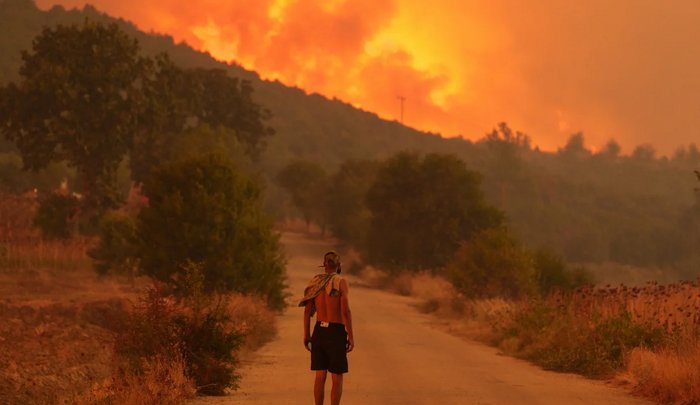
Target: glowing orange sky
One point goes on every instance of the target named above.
(624, 69)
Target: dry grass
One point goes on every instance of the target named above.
(56, 315)
(667, 375)
(57, 323)
(669, 315)
(163, 382)
(251, 316)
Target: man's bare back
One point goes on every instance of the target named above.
(329, 309)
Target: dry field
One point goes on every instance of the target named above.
(646, 338)
(58, 318)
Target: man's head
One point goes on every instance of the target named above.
(331, 262)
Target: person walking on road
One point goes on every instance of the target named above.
(327, 297)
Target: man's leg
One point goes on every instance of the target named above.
(337, 389)
(319, 386)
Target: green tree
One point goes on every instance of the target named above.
(552, 273)
(116, 250)
(305, 181)
(177, 100)
(346, 212)
(203, 210)
(493, 264)
(422, 209)
(77, 101)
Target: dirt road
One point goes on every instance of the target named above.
(399, 358)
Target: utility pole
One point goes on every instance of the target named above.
(402, 99)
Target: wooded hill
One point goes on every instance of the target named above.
(637, 209)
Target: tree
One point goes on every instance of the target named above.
(422, 209)
(506, 140)
(507, 170)
(575, 147)
(493, 264)
(346, 213)
(644, 152)
(203, 210)
(87, 97)
(78, 100)
(611, 149)
(179, 100)
(305, 182)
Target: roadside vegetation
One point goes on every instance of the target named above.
(144, 293)
(422, 227)
(644, 338)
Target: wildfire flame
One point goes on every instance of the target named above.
(457, 67)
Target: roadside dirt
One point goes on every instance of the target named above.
(400, 357)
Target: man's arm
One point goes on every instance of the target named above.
(345, 313)
(308, 312)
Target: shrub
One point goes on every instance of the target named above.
(552, 273)
(667, 375)
(196, 329)
(563, 338)
(205, 211)
(596, 349)
(55, 214)
(162, 381)
(491, 264)
(116, 250)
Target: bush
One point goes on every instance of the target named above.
(55, 215)
(203, 210)
(552, 273)
(116, 250)
(564, 339)
(596, 349)
(195, 329)
(492, 264)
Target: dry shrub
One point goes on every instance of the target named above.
(163, 381)
(195, 328)
(667, 375)
(251, 316)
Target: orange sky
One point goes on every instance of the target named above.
(623, 69)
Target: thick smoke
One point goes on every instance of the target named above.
(624, 69)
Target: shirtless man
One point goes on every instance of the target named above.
(327, 296)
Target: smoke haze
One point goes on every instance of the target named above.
(626, 69)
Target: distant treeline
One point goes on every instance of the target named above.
(590, 207)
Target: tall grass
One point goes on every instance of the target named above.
(647, 336)
(61, 325)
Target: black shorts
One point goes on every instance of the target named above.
(328, 348)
